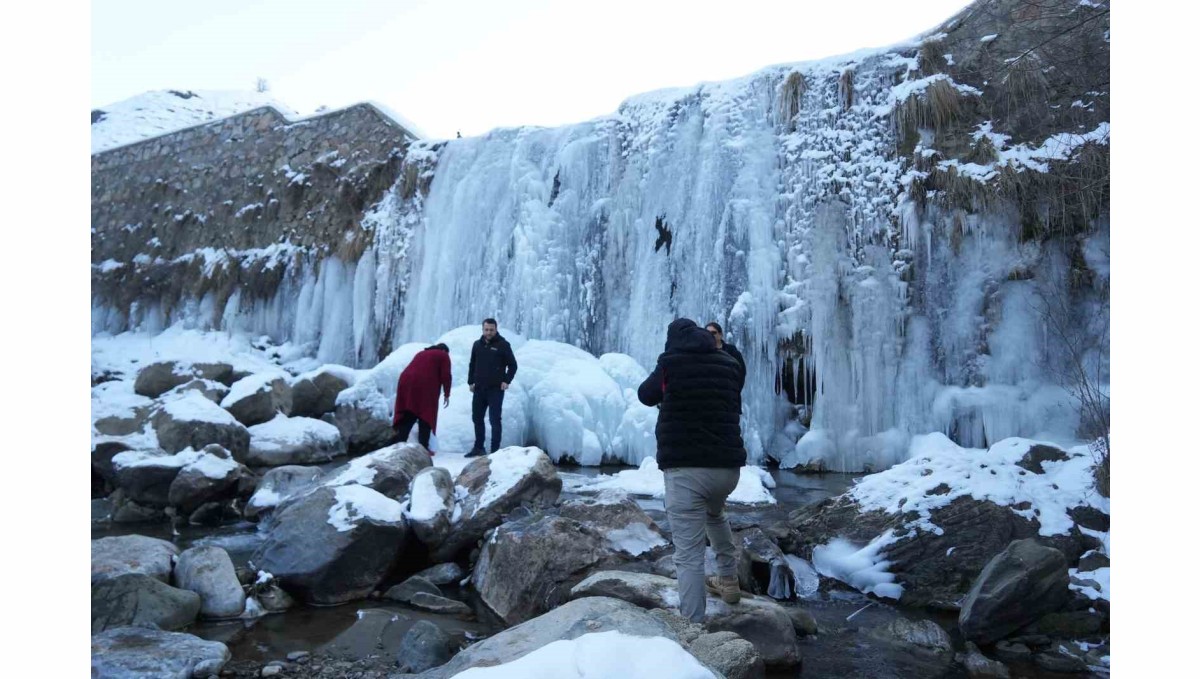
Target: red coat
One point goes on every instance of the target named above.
(417, 390)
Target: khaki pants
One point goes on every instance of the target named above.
(696, 509)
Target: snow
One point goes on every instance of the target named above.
(354, 503)
(291, 432)
(635, 539)
(151, 114)
(648, 480)
(116, 399)
(425, 502)
(805, 580)
(194, 407)
(860, 567)
(359, 471)
(507, 467)
(127, 352)
(597, 656)
(990, 474)
(1100, 576)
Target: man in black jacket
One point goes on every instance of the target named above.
(698, 389)
(718, 334)
(491, 370)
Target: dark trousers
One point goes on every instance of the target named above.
(490, 399)
(407, 420)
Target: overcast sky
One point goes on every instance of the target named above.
(470, 66)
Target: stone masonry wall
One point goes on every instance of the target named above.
(162, 207)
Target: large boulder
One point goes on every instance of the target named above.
(279, 484)
(625, 525)
(935, 534)
(760, 621)
(123, 554)
(212, 477)
(405, 591)
(152, 478)
(333, 545)
(431, 505)
(364, 416)
(293, 440)
(315, 393)
(729, 654)
(389, 470)
(192, 421)
(1021, 584)
(528, 566)
(102, 455)
(208, 571)
(257, 398)
(128, 652)
(124, 424)
(569, 621)
(495, 485)
(138, 599)
(156, 379)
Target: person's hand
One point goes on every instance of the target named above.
(446, 402)
(471, 387)
(504, 386)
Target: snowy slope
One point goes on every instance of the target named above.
(153, 113)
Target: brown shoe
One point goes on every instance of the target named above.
(725, 587)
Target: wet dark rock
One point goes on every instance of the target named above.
(1011, 651)
(205, 481)
(1092, 561)
(921, 636)
(423, 647)
(979, 666)
(1020, 585)
(802, 621)
(405, 591)
(102, 455)
(444, 573)
(138, 599)
(1078, 624)
(439, 604)
(1056, 661)
(729, 654)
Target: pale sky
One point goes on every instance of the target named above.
(474, 65)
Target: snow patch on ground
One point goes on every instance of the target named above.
(647, 480)
(599, 655)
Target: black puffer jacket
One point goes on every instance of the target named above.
(699, 388)
(491, 363)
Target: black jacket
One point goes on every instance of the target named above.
(491, 363)
(733, 351)
(698, 389)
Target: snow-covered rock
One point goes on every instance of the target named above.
(293, 441)
(491, 487)
(259, 398)
(192, 421)
(760, 621)
(623, 524)
(364, 416)
(924, 529)
(277, 485)
(569, 621)
(314, 393)
(334, 544)
(431, 505)
(389, 470)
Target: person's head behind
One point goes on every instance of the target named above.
(714, 329)
(684, 335)
(438, 347)
(490, 328)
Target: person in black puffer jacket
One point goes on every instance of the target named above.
(491, 370)
(698, 389)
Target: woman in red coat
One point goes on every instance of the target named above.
(417, 392)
